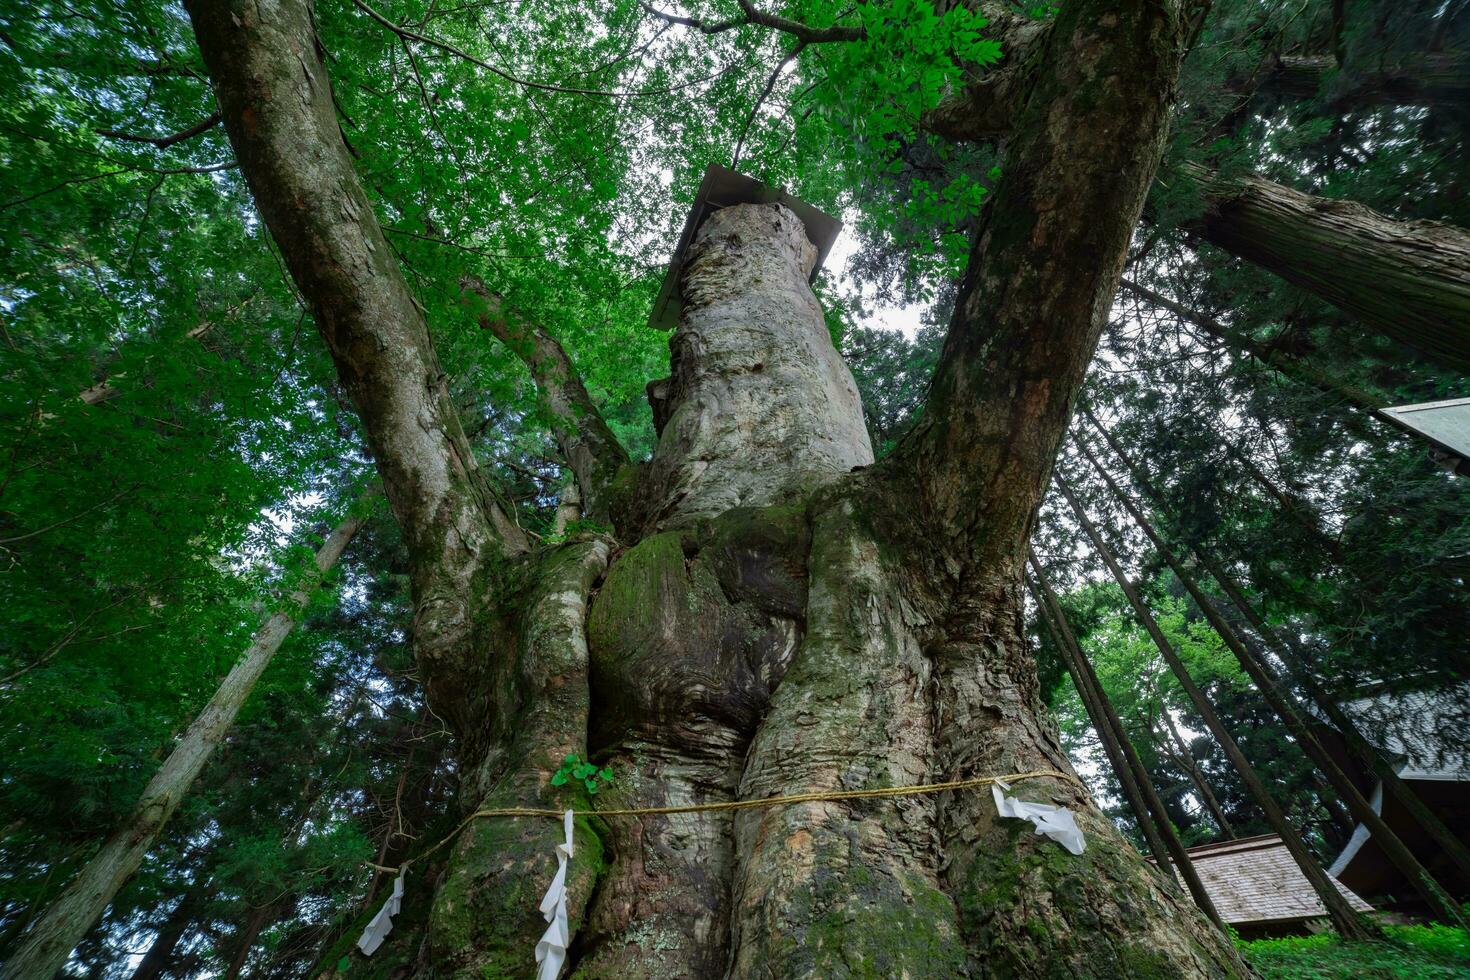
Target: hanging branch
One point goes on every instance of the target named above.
(790, 56)
(591, 448)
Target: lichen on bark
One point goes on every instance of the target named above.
(769, 621)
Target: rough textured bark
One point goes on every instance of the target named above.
(985, 106)
(1283, 704)
(771, 621)
(1047, 257)
(276, 98)
(760, 406)
(1345, 920)
(48, 944)
(1410, 280)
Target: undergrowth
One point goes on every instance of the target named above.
(1428, 952)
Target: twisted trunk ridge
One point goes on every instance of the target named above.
(777, 613)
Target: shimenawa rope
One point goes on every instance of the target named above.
(884, 792)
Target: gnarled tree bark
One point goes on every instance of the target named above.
(780, 616)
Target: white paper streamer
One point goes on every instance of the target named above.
(1055, 822)
(551, 951)
(377, 930)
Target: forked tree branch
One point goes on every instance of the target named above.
(164, 142)
(591, 449)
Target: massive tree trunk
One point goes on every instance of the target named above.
(776, 616)
(46, 947)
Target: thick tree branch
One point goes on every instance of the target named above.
(1410, 280)
(591, 449)
(983, 109)
(798, 30)
(704, 27)
(277, 105)
(1042, 275)
(164, 142)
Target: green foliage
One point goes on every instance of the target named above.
(173, 441)
(588, 774)
(1415, 951)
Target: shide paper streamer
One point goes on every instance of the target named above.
(382, 924)
(551, 951)
(1055, 822)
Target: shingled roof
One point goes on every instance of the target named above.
(1255, 881)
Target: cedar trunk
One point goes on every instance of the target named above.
(49, 943)
(772, 613)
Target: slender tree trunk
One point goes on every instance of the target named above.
(1348, 923)
(1105, 734)
(1294, 368)
(1142, 784)
(160, 956)
(1342, 821)
(1409, 280)
(1357, 743)
(1280, 701)
(46, 947)
(1190, 765)
(244, 939)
